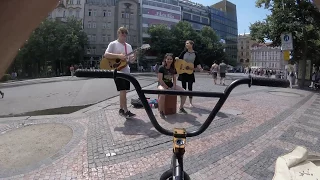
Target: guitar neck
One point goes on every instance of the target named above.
(132, 52)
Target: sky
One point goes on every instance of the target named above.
(247, 13)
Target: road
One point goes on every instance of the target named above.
(76, 94)
(33, 97)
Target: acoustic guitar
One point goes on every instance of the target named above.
(112, 64)
(183, 67)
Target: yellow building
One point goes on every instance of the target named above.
(244, 54)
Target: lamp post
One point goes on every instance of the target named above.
(305, 47)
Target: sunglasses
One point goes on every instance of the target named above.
(126, 33)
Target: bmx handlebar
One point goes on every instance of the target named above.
(259, 81)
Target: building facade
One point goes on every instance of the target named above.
(194, 13)
(102, 18)
(68, 8)
(267, 57)
(99, 25)
(244, 54)
(224, 22)
(166, 12)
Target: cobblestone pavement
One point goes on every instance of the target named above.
(244, 145)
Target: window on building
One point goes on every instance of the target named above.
(205, 20)
(103, 49)
(109, 25)
(127, 15)
(186, 16)
(94, 12)
(89, 24)
(122, 15)
(94, 25)
(89, 37)
(90, 12)
(104, 25)
(70, 1)
(109, 12)
(64, 13)
(241, 47)
(88, 50)
(94, 50)
(109, 38)
(196, 18)
(104, 13)
(78, 1)
(77, 13)
(134, 38)
(104, 38)
(93, 38)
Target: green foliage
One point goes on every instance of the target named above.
(287, 17)
(164, 40)
(302, 20)
(5, 78)
(53, 45)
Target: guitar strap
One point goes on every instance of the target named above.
(125, 48)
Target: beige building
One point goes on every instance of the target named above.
(267, 57)
(68, 8)
(98, 25)
(128, 14)
(244, 54)
(101, 22)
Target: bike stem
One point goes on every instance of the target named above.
(179, 141)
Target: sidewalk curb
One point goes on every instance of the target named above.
(54, 79)
(39, 81)
(108, 102)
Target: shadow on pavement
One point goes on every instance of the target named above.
(135, 126)
(53, 111)
(181, 118)
(202, 111)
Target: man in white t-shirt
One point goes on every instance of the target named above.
(117, 50)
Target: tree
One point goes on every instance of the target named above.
(302, 19)
(53, 46)
(164, 40)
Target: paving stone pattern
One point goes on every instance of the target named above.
(244, 146)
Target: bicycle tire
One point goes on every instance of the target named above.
(168, 175)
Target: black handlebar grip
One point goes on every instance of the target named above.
(259, 81)
(94, 73)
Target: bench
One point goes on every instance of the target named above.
(170, 104)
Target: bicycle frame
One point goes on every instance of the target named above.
(180, 134)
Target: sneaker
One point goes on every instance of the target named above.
(121, 112)
(162, 115)
(2, 94)
(129, 114)
(182, 110)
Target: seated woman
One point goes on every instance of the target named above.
(167, 80)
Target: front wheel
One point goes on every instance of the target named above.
(168, 175)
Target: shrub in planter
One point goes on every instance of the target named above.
(5, 78)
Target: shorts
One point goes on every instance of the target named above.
(223, 75)
(214, 75)
(122, 84)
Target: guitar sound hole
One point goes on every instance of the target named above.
(117, 64)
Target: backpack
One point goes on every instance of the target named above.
(136, 103)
